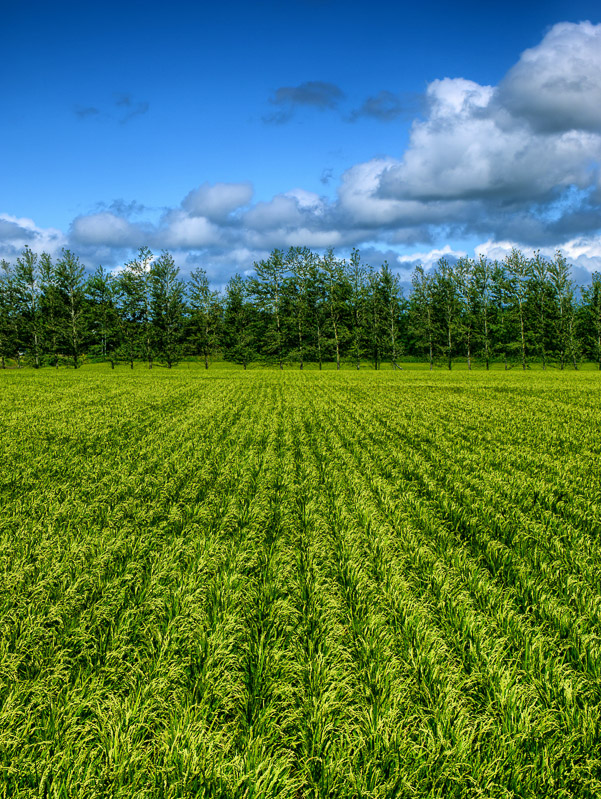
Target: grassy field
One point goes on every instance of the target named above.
(264, 584)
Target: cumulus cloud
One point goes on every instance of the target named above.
(556, 86)
(179, 230)
(107, 229)
(121, 207)
(217, 202)
(430, 257)
(294, 219)
(18, 232)
(584, 253)
(11, 230)
(280, 212)
(466, 149)
(480, 162)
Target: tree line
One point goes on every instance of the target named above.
(298, 307)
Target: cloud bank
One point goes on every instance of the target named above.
(517, 163)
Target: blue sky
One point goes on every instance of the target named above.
(222, 131)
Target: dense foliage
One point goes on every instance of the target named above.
(300, 584)
(299, 307)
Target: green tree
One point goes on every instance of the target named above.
(376, 332)
(239, 324)
(317, 311)
(447, 302)
(540, 296)
(135, 291)
(517, 275)
(51, 305)
(467, 299)
(335, 299)
(205, 314)
(133, 308)
(590, 314)
(166, 308)
(486, 277)
(103, 319)
(391, 295)
(69, 284)
(28, 289)
(9, 333)
(356, 278)
(421, 311)
(299, 261)
(267, 288)
(564, 316)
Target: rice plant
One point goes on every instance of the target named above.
(300, 584)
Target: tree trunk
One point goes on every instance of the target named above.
(74, 333)
(523, 337)
(486, 349)
(337, 347)
(279, 332)
(319, 345)
(393, 338)
(36, 347)
(300, 343)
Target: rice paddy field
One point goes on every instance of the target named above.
(300, 584)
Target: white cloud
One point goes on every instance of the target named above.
(280, 212)
(318, 239)
(17, 232)
(181, 231)
(217, 202)
(469, 148)
(307, 200)
(583, 252)
(494, 250)
(359, 196)
(107, 229)
(556, 86)
(430, 257)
